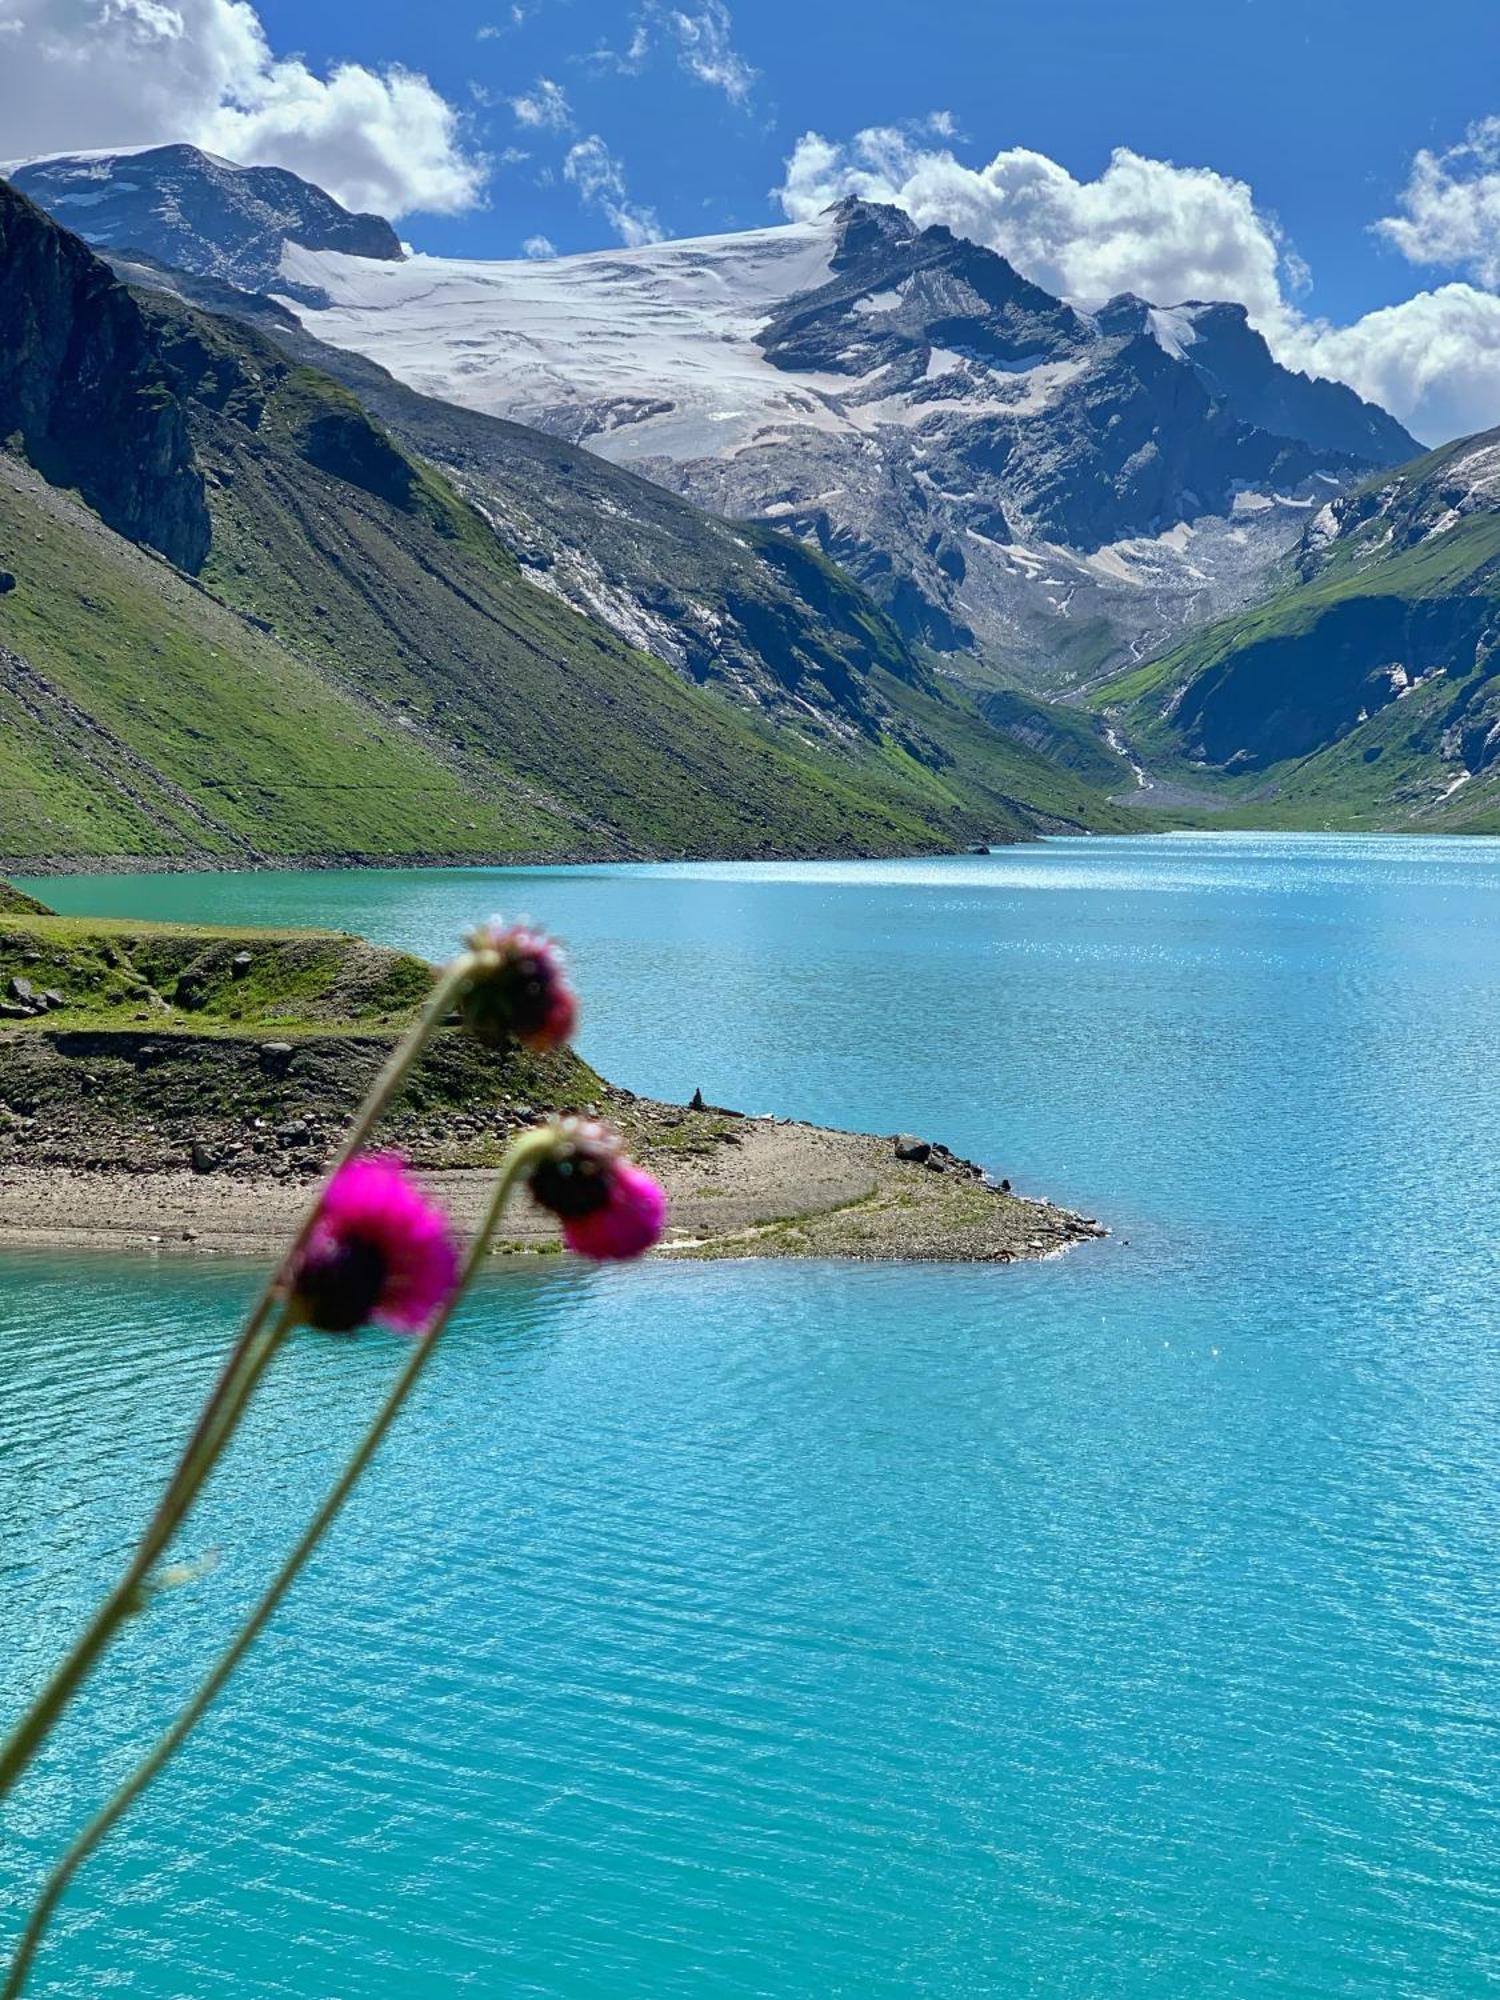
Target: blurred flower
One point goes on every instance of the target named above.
(378, 1250)
(608, 1208)
(520, 992)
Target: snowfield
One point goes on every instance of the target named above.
(673, 324)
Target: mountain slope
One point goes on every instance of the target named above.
(1038, 492)
(361, 668)
(1367, 690)
(752, 613)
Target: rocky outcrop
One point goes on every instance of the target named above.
(83, 388)
(201, 213)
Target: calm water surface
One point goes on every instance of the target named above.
(1126, 1626)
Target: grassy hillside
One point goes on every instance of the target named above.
(154, 1046)
(1366, 691)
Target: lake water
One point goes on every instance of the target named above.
(1122, 1626)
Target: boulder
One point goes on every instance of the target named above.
(909, 1147)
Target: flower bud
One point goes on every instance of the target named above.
(379, 1250)
(609, 1210)
(520, 991)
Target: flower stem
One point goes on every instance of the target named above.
(221, 1413)
(524, 1152)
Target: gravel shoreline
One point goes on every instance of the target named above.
(771, 1189)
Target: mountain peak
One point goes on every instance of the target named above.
(198, 212)
(863, 228)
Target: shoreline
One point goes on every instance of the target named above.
(61, 867)
(770, 1188)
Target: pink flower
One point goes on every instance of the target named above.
(521, 993)
(609, 1209)
(378, 1250)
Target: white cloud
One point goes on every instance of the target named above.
(705, 48)
(1167, 232)
(1452, 207)
(91, 73)
(1171, 233)
(1433, 360)
(539, 248)
(702, 38)
(544, 107)
(600, 180)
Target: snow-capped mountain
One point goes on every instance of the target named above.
(1042, 493)
(1055, 492)
(191, 209)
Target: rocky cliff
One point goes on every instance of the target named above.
(83, 388)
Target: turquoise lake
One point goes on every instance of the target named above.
(1125, 1627)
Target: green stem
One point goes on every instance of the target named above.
(220, 1415)
(516, 1166)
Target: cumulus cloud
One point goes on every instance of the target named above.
(1171, 233)
(1451, 207)
(544, 107)
(539, 248)
(1432, 360)
(90, 73)
(600, 180)
(1167, 232)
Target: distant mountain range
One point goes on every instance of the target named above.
(240, 620)
(206, 215)
(1039, 494)
(1276, 607)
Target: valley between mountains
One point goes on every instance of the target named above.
(836, 538)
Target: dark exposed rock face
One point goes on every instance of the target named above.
(1001, 441)
(82, 387)
(202, 214)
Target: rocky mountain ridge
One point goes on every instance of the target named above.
(1041, 494)
(190, 208)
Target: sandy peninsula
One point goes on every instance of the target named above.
(738, 1187)
(179, 1086)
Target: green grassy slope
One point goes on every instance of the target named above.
(160, 1046)
(1366, 691)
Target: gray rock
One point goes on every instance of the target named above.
(53, 999)
(22, 989)
(240, 964)
(909, 1147)
(204, 1157)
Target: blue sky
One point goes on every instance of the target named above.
(1320, 105)
(1334, 165)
